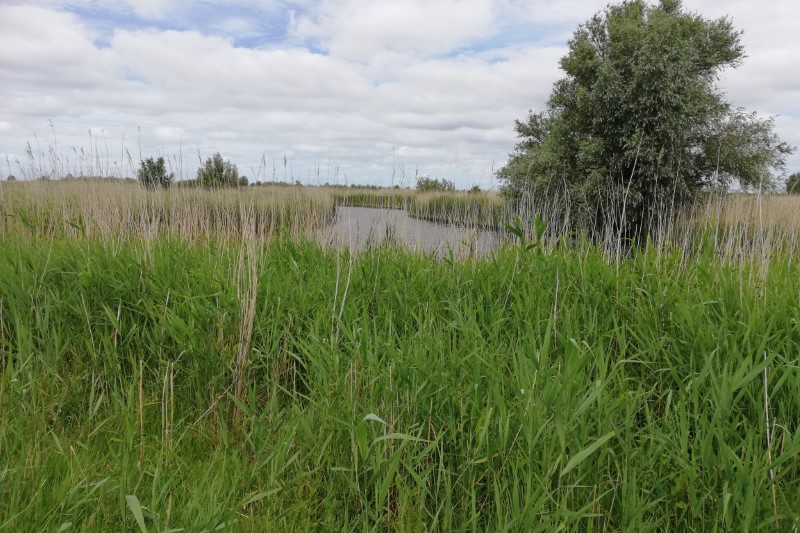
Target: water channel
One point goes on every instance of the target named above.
(362, 227)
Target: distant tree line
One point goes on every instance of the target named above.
(217, 173)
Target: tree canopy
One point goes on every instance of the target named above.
(427, 184)
(638, 125)
(217, 172)
(153, 174)
(793, 184)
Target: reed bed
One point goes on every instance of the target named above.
(478, 210)
(482, 210)
(781, 211)
(150, 381)
(114, 211)
(381, 198)
(736, 229)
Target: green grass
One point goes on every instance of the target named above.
(391, 391)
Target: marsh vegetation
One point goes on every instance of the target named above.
(199, 359)
(610, 345)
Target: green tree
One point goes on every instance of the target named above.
(637, 127)
(217, 173)
(793, 183)
(425, 184)
(153, 174)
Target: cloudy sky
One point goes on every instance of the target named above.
(347, 91)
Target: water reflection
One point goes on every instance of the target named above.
(361, 227)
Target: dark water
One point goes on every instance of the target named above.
(361, 227)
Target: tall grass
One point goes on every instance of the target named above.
(478, 210)
(154, 378)
(751, 225)
(381, 198)
(484, 210)
(119, 210)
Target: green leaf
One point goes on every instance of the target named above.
(111, 317)
(26, 221)
(516, 229)
(362, 441)
(375, 418)
(398, 436)
(136, 509)
(579, 457)
(260, 496)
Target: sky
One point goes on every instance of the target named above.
(337, 91)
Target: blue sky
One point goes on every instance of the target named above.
(367, 91)
(249, 26)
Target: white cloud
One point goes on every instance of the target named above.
(169, 133)
(46, 47)
(206, 72)
(358, 29)
(371, 88)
